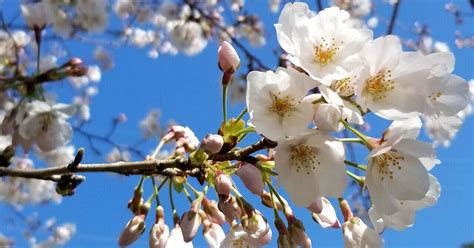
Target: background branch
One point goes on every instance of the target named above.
(393, 19)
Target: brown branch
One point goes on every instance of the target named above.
(169, 167)
(393, 19)
(319, 4)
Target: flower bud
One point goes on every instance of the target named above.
(213, 213)
(190, 222)
(228, 58)
(327, 217)
(133, 230)
(159, 235)
(327, 116)
(212, 143)
(298, 234)
(223, 185)
(230, 208)
(285, 241)
(251, 177)
(316, 206)
(176, 239)
(357, 234)
(213, 234)
(267, 201)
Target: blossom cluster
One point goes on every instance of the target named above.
(338, 75)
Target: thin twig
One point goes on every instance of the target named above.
(393, 19)
(319, 4)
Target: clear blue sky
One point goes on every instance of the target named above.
(187, 90)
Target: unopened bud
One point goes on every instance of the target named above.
(212, 143)
(346, 210)
(251, 177)
(229, 60)
(298, 234)
(212, 212)
(327, 217)
(6, 155)
(190, 222)
(159, 235)
(223, 184)
(213, 234)
(132, 231)
(316, 206)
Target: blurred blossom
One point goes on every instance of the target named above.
(116, 155)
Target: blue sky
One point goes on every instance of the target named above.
(187, 90)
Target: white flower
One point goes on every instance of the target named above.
(36, 14)
(237, 237)
(398, 167)
(446, 95)
(310, 166)
(176, 239)
(60, 156)
(116, 155)
(386, 83)
(47, 124)
(442, 129)
(91, 15)
(405, 216)
(323, 45)
(188, 37)
(358, 235)
(275, 105)
(214, 235)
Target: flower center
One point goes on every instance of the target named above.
(281, 105)
(344, 87)
(387, 162)
(435, 95)
(325, 51)
(380, 84)
(304, 158)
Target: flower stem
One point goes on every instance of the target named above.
(156, 191)
(356, 165)
(173, 208)
(157, 149)
(351, 140)
(359, 180)
(188, 196)
(241, 115)
(357, 133)
(224, 102)
(273, 190)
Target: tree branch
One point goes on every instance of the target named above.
(319, 4)
(393, 19)
(169, 167)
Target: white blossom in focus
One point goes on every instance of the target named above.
(275, 102)
(311, 166)
(324, 45)
(405, 216)
(398, 167)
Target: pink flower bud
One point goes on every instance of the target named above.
(229, 208)
(133, 230)
(213, 234)
(190, 222)
(297, 232)
(212, 212)
(229, 60)
(159, 235)
(212, 143)
(223, 184)
(251, 177)
(316, 206)
(327, 217)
